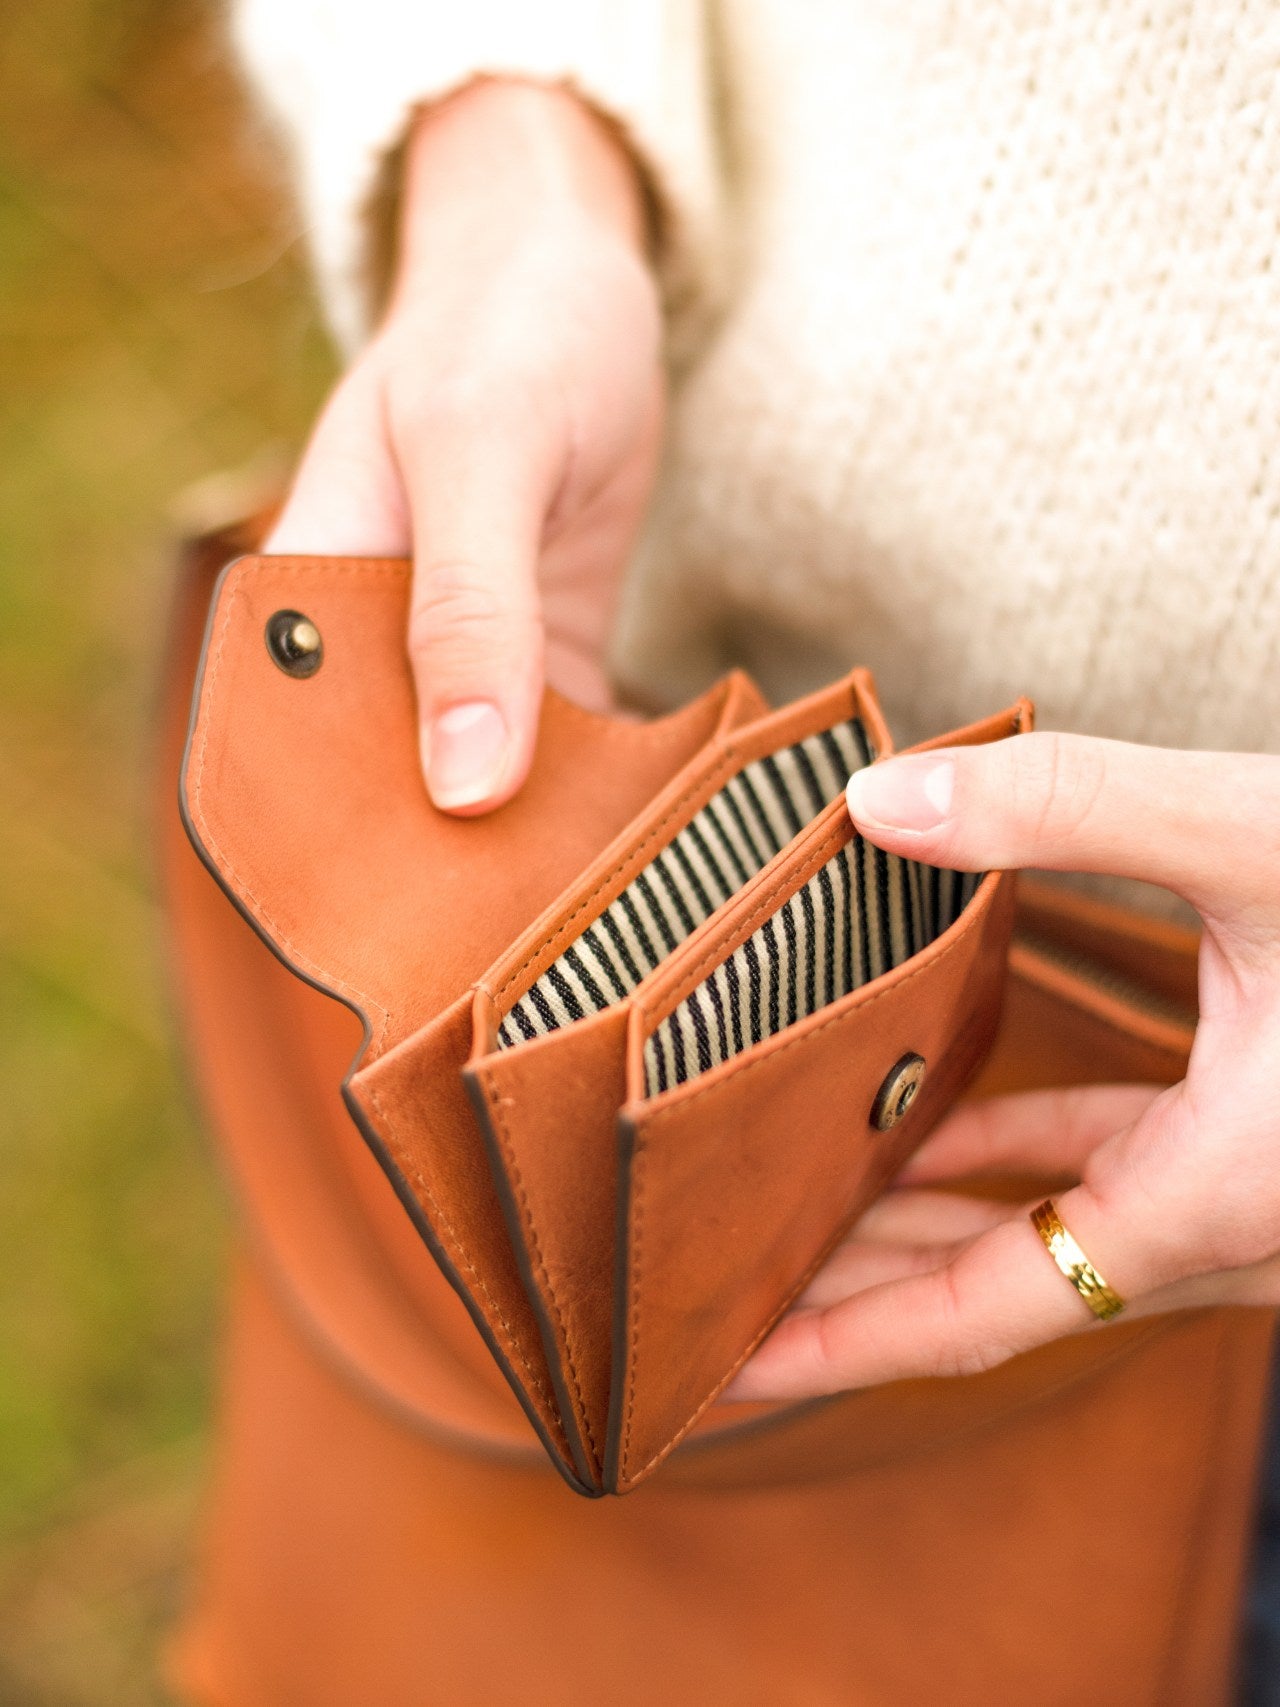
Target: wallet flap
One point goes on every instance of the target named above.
(268, 1054)
(304, 794)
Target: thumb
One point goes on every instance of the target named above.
(1075, 803)
(479, 487)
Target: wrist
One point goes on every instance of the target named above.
(512, 159)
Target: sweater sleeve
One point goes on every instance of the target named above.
(342, 78)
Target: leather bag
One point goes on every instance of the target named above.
(1073, 1522)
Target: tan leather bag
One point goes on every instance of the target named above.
(631, 1054)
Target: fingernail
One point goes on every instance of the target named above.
(903, 794)
(465, 753)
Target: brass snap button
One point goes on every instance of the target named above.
(294, 643)
(899, 1090)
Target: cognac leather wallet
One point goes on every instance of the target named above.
(639, 1046)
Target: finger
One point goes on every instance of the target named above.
(860, 1264)
(1256, 1284)
(1068, 802)
(904, 1232)
(905, 1216)
(861, 1267)
(347, 498)
(1049, 1131)
(481, 478)
(999, 1295)
(855, 1267)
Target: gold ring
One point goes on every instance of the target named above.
(1101, 1299)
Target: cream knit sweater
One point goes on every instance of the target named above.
(978, 315)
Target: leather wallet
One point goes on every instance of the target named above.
(639, 1046)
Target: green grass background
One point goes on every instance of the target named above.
(155, 327)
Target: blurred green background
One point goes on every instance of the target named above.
(155, 327)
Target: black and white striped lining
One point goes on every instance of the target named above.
(862, 913)
(725, 844)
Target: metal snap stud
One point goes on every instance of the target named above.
(899, 1090)
(294, 643)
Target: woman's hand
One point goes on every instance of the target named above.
(503, 425)
(1179, 1196)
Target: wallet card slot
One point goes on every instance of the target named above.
(860, 915)
(729, 840)
(832, 914)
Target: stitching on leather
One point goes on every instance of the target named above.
(247, 894)
(730, 761)
(969, 921)
(761, 1334)
(389, 1132)
(738, 1362)
(727, 755)
(830, 843)
(389, 1135)
(636, 1248)
(495, 1103)
(640, 1174)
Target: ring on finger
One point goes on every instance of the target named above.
(1103, 1300)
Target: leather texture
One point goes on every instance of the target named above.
(622, 1252)
(383, 1523)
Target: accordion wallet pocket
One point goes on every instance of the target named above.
(555, 1028)
(779, 1072)
(547, 1074)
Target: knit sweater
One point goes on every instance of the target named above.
(978, 318)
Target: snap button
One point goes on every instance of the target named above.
(898, 1092)
(294, 643)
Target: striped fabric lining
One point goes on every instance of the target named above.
(727, 842)
(859, 915)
